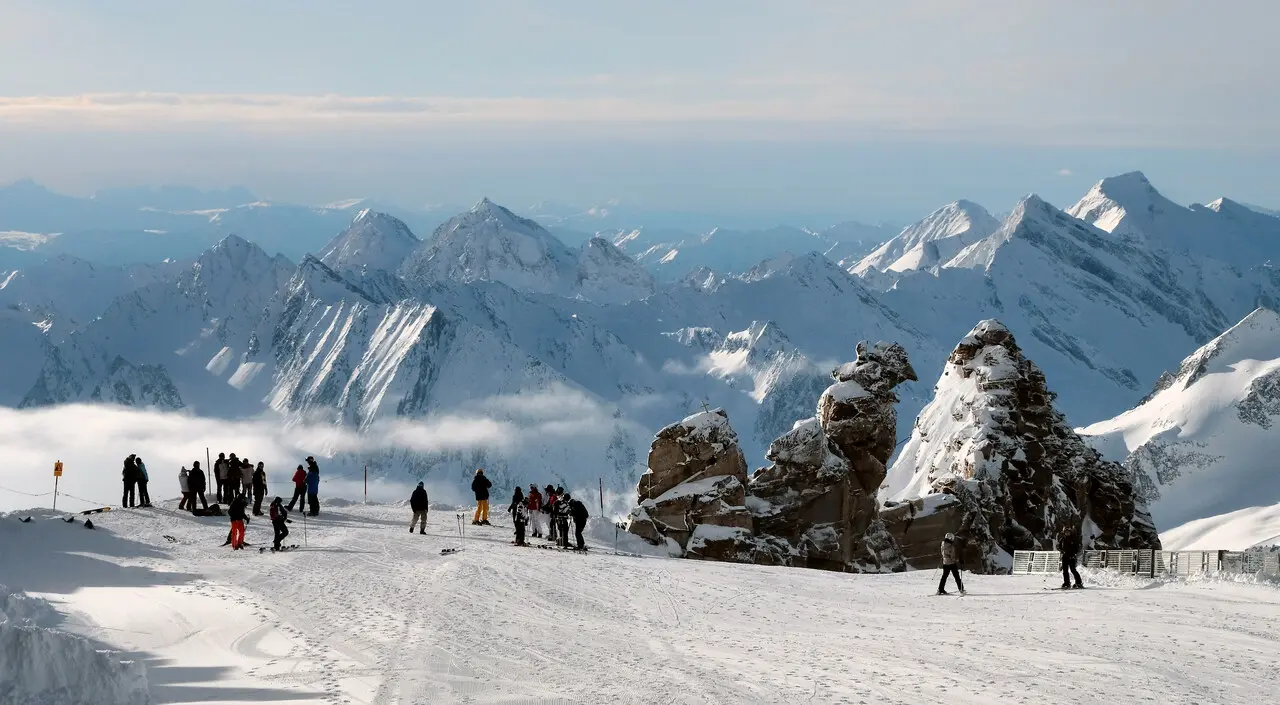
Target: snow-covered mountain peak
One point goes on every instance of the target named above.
(490, 243)
(1255, 338)
(1123, 205)
(803, 267)
(606, 274)
(373, 241)
(931, 241)
(760, 337)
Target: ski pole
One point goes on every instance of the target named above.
(304, 528)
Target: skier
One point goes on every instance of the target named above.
(299, 489)
(238, 520)
(279, 517)
(313, 487)
(533, 501)
(144, 498)
(578, 512)
(480, 485)
(950, 566)
(519, 514)
(130, 478)
(259, 488)
(184, 486)
(560, 515)
(1069, 546)
(419, 503)
(548, 506)
(219, 473)
(246, 478)
(196, 481)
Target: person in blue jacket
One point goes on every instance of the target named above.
(144, 497)
(313, 487)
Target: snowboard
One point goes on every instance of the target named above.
(96, 511)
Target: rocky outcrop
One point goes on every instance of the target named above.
(814, 507)
(993, 461)
(693, 498)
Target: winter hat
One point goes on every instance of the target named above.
(419, 484)
(277, 500)
(479, 471)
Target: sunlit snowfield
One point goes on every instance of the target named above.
(369, 613)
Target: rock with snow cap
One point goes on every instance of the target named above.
(1015, 474)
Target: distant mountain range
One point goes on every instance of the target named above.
(388, 321)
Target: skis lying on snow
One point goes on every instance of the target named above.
(553, 547)
(96, 511)
(447, 551)
(168, 538)
(273, 549)
(1059, 589)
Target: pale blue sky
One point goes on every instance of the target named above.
(714, 104)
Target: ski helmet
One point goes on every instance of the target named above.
(949, 537)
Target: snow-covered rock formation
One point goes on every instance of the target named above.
(1202, 442)
(693, 497)
(992, 461)
(932, 241)
(372, 241)
(815, 507)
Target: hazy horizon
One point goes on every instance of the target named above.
(874, 112)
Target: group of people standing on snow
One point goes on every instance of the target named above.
(1070, 546)
(135, 479)
(532, 511)
(238, 482)
(555, 510)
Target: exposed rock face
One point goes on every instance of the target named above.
(1014, 474)
(693, 498)
(814, 507)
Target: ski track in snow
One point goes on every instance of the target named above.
(369, 613)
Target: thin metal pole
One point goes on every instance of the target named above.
(55, 492)
(601, 496)
(366, 483)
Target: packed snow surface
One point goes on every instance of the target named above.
(368, 613)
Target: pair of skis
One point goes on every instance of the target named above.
(462, 538)
(282, 549)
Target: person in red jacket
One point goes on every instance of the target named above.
(533, 502)
(299, 488)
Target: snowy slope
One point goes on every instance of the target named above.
(608, 275)
(1238, 530)
(189, 327)
(372, 241)
(1203, 443)
(366, 613)
(932, 241)
(66, 292)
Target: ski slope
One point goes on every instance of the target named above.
(369, 613)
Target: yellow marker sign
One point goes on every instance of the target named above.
(57, 469)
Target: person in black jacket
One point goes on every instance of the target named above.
(279, 517)
(578, 512)
(259, 488)
(1069, 547)
(560, 515)
(130, 478)
(480, 486)
(419, 503)
(197, 483)
(519, 514)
